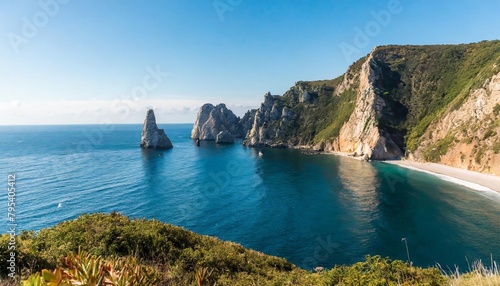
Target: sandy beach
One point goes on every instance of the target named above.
(483, 180)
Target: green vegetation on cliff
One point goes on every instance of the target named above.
(339, 111)
(97, 247)
(429, 81)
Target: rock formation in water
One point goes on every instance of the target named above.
(153, 137)
(219, 124)
(426, 103)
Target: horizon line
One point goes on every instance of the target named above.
(79, 124)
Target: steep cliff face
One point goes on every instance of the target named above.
(212, 120)
(361, 135)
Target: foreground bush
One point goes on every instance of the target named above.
(111, 249)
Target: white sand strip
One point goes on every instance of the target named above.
(470, 179)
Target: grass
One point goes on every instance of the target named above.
(478, 275)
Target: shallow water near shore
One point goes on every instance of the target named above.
(314, 210)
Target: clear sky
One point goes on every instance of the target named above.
(89, 61)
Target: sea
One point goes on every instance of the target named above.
(312, 209)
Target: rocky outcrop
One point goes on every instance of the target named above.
(270, 124)
(211, 120)
(153, 137)
(348, 80)
(218, 123)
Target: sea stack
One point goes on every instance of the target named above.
(217, 123)
(152, 136)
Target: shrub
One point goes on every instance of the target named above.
(383, 271)
(434, 152)
(489, 133)
(496, 147)
(496, 109)
(190, 259)
(86, 269)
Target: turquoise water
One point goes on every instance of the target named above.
(315, 210)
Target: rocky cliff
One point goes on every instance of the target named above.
(270, 123)
(427, 103)
(361, 135)
(153, 137)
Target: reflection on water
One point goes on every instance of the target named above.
(361, 179)
(152, 161)
(360, 197)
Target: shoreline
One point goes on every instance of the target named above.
(471, 179)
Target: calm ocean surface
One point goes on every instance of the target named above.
(315, 210)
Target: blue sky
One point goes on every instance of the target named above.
(79, 62)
